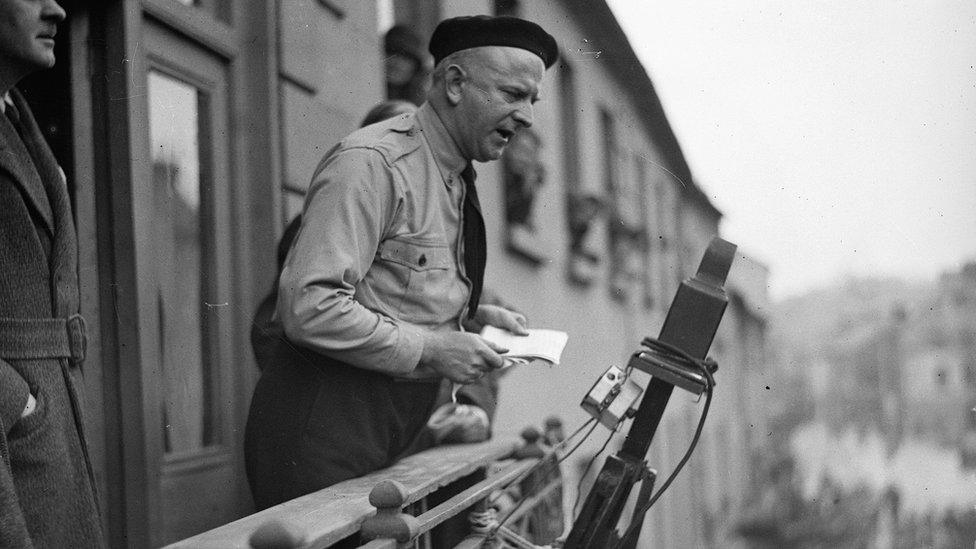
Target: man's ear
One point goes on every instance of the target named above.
(454, 80)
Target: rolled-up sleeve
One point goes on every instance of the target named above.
(350, 204)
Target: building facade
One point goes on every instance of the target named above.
(189, 130)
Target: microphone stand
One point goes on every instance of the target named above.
(690, 326)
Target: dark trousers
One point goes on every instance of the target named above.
(314, 422)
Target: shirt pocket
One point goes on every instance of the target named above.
(419, 280)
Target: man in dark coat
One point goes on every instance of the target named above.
(47, 494)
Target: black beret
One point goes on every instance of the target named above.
(461, 33)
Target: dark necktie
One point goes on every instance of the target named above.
(475, 251)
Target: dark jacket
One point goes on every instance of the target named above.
(315, 421)
(46, 487)
(270, 345)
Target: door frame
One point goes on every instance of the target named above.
(110, 117)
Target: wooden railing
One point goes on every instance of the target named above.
(382, 505)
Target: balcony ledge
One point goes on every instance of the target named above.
(322, 518)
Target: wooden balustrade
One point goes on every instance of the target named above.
(332, 514)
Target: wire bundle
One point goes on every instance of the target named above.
(707, 367)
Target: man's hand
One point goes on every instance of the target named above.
(500, 317)
(29, 408)
(459, 423)
(461, 357)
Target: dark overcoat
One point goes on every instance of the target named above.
(46, 484)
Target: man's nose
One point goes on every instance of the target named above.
(53, 10)
(523, 115)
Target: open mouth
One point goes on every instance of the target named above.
(506, 134)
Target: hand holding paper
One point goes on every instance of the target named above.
(539, 344)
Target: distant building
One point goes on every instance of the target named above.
(913, 373)
(938, 376)
(219, 111)
(883, 375)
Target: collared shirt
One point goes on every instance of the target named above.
(378, 258)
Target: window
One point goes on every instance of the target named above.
(183, 248)
(582, 208)
(669, 273)
(623, 215)
(645, 194)
(569, 115)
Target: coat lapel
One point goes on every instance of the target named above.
(15, 160)
(64, 252)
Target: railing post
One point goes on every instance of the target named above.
(277, 534)
(531, 448)
(390, 522)
(543, 523)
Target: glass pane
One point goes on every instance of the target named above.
(179, 228)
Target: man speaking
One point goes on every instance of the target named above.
(388, 263)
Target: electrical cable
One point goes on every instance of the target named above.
(638, 517)
(579, 485)
(552, 467)
(707, 366)
(552, 451)
(674, 354)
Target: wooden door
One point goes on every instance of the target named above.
(187, 252)
(138, 110)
